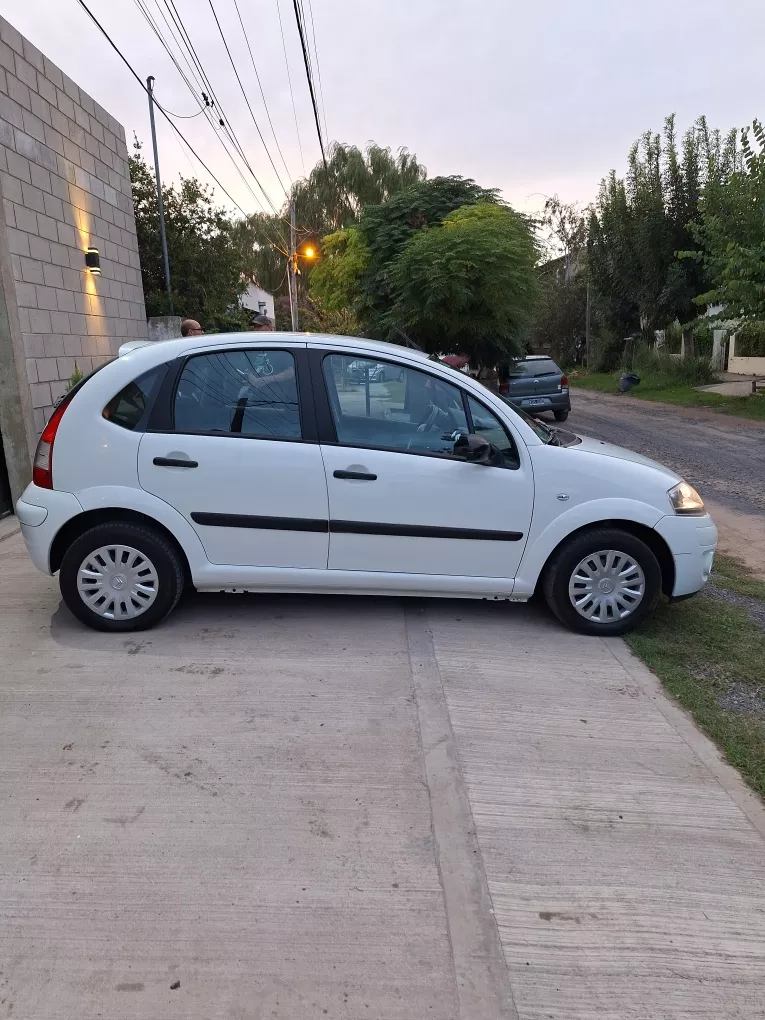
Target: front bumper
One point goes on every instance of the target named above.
(541, 402)
(692, 542)
(42, 513)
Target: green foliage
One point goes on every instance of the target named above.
(559, 321)
(317, 318)
(750, 340)
(388, 227)
(334, 281)
(607, 351)
(76, 377)
(357, 179)
(468, 285)
(659, 370)
(211, 255)
(705, 649)
(730, 228)
(637, 226)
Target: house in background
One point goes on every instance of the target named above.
(258, 301)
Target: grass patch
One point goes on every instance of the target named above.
(669, 391)
(705, 649)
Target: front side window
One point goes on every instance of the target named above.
(488, 425)
(127, 408)
(248, 393)
(392, 407)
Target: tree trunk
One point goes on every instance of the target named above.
(688, 349)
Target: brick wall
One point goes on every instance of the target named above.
(65, 185)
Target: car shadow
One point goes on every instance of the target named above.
(207, 617)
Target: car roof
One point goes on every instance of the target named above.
(179, 345)
(538, 357)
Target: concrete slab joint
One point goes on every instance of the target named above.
(481, 976)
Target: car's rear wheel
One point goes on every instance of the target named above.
(121, 577)
(603, 581)
(560, 415)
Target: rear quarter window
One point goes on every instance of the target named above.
(128, 407)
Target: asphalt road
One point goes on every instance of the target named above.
(723, 457)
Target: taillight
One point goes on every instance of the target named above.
(42, 472)
(563, 382)
(504, 387)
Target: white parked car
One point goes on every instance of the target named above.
(251, 462)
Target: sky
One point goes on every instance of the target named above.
(535, 98)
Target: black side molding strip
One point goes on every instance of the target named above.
(422, 531)
(263, 523)
(351, 527)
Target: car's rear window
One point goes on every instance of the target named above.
(537, 367)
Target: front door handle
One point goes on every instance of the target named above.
(175, 462)
(359, 476)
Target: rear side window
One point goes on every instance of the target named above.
(248, 393)
(128, 407)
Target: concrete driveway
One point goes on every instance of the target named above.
(278, 808)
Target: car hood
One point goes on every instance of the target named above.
(597, 446)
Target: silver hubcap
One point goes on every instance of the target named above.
(606, 586)
(117, 582)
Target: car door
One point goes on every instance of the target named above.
(399, 499)
(232, 446)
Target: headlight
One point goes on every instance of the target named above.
(685, 500)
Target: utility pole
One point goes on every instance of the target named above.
(587, 339)
(292, 269)
(162, 234)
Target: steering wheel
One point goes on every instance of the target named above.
(429, 421)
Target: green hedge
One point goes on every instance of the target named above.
(750, 340)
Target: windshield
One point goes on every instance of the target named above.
(537, 367)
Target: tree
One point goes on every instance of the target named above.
(731, 226)
(637, 227)
(387, 228)
(559, 321)
(327, 202)
(467, 285)
(210, 258)
(334, 281)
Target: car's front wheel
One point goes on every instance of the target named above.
(121, 577)
(603, 581)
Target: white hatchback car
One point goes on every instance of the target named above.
(262, 462)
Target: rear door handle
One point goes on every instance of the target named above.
(359, 476)
(175, 462)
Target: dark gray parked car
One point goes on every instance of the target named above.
(536, 384)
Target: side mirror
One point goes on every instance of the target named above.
(474, 449)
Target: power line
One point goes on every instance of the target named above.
(127, 64)
(207, 84)
(307, 63)
(249, 107)
(180, 36)
(289, 80)
(204, 102)
(318, 69)
(260, 86)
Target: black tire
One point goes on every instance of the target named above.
(560, 415)
(561, 566)
(163, 556)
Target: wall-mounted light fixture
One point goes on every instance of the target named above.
(93, 261)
